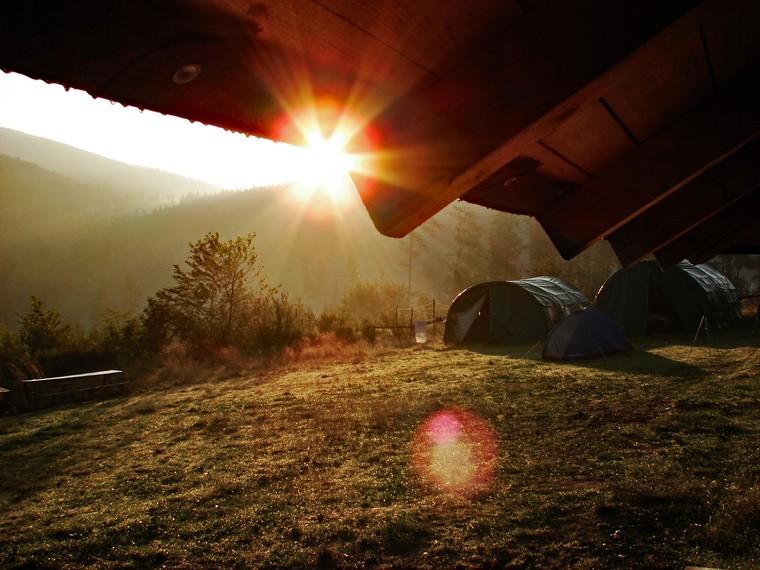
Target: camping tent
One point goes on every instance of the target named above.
(510, 312)
(585, 334)
(644, 297)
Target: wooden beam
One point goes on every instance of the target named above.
(430, 195)
(716, 235)
(258, 61)
(745, 241)
(518, 88)
(662, 165)
(691, 205)
(527, 194)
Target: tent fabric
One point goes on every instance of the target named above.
(722, 298)
(625, 296)
(642, 296)
(458, 324)
(510, 312)
(585, 334)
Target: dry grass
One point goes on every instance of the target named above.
(650, 459)
(327, 349)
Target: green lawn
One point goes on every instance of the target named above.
(649, 459)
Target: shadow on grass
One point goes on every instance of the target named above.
(41, 451)
(637, 361)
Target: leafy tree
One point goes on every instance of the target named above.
(469, 257)
(42, 329)
(544, 258)
(278, 322)
(212, 299)
(505, 246)
(418, 253)
(15, 360)
(120, 334)
(373, 301)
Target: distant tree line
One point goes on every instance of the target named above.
(83, 249)
(219, 300)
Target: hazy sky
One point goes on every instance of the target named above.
(145, 138)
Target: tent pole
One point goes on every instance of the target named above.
(694, 340)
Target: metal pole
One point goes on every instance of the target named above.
(409, 282)
(395, 328)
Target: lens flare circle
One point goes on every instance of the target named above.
(455, 452)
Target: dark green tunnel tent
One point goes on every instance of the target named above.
(643, 298)
(510, 312)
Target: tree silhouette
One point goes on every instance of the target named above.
(41, 329)
(213, 298)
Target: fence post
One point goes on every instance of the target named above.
(434, 323)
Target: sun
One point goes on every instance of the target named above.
(328, 162)
(324, 171)
(332, 144)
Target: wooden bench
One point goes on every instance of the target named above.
(41, 392)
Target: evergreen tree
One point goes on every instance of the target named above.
(469, 263)
(42, 329)
(505, 246)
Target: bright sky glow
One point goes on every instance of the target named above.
(225, 159)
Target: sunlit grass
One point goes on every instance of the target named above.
(648, 460)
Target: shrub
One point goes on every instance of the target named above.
(372, 300)
(337, 324)
(15, 361)
(42, 329)
(222, 300)
(275, 324)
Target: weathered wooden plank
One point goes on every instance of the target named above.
(732, 41)
(655, 91)
(433, 33)
(745, 241)
(257, 62)
(52, 390)
(528, 194)
(691, 205)
(432, 196)
(656, 169)
(716, 235)
(520, 89)
(553, 167)
(590, 138)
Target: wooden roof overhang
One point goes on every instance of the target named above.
(635, 122)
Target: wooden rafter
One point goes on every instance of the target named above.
(651, 172)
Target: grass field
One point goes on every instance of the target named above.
(649, 459)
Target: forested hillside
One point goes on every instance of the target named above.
(131, 185)
(84, 246)
(83, 250)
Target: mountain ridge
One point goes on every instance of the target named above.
(93, 168)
